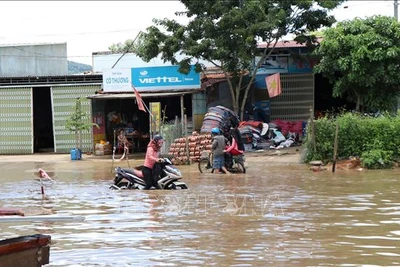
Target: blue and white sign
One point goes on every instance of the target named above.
(117, 80)
(165, 77)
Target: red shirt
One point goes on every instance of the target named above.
(233, 148)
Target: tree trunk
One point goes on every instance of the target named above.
(358, 104)
(266, 53)
(76, 139)
(235, 103)
(80, 139)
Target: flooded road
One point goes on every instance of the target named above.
(277, 214)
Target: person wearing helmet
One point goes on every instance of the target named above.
(152, 156)
(218, 149)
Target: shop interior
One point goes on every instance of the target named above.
(116, 114)
(324, 101)
(42, 120)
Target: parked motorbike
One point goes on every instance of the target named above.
(131, 178)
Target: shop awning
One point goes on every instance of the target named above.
(143, 95)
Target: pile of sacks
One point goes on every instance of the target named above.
(103, 148)
(184, 150)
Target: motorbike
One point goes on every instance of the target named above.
(132, 178)
(234, 160)
(233, 163)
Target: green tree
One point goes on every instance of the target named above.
(227, 34)
(361, 58)
(79, 121)
(127, 46)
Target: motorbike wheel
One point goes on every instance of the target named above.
(238, 167)
(179, 187)
(204, 166)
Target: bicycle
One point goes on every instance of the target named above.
(205, 163)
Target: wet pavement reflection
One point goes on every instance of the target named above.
(277, 214)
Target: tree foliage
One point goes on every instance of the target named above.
(126, 46)
(359, 135)
(79, 121)
(361, 58)
(227, 34)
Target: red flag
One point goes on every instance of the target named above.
(139, 100)
(273, 84)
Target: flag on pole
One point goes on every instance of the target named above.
(139, 100)
(273, 84)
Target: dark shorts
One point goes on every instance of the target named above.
(218, 162)
(147, 177)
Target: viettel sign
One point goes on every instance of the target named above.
(165, 77)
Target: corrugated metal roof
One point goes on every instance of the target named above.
(287, 44)
(143, 95)
(45, 80)
(31, 44)
(283, 44)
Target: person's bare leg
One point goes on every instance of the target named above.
(225, 170)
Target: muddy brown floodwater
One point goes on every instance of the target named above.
(277, 214)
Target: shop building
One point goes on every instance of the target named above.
(166, 94)
(33, 112)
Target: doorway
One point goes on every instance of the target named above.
(324, 101)
(42, 120)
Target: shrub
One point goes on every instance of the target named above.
(357, 135)
(377, 159)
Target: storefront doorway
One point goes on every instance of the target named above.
(116, 112)
(42, 120)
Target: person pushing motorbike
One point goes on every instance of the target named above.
(218, 149)
(150, 172)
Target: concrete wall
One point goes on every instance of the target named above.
(33, 60)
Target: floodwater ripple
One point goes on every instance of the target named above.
(277, 216)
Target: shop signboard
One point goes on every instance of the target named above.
(164, 78)
(273, 64)
(117, 80)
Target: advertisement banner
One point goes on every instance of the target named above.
(165, 77)
(273, 64)
(155, 109)
(117, 80)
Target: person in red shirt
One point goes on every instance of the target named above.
(152, 156)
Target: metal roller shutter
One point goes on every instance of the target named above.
(63, 99)
(297, 99)
(16, 121)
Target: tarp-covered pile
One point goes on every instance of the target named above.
(251, 132)
(288, 127)
(277, 134)
(219, 117)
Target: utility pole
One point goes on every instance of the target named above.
(396, 16)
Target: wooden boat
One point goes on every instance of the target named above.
(10, 211)
(24, 251)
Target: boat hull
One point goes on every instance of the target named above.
(25, 251)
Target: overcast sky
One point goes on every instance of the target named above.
(92, 26)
